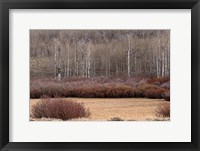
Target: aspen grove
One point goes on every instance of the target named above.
(65, 54)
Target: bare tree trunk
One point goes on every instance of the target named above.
(163, 63)
(88, 61)
(74, 43)
(157, 67)
(76, 61)
(168, 59)
(94, 74)
(65, 72)
(68, 61)
(57, 59)
(106, 67)
(158, 57)
(109, 67)
(83, 61)
(55, 62)
(128, 57)
(116, 65)
(102, 60)
(42, 66)
(59, 65)
(135, 63)
(77, 58)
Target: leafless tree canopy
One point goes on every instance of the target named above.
(92, 53)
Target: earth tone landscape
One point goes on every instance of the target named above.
(100, 75)
(105, 109)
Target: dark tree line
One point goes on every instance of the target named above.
(91, 53)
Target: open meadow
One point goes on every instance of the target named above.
(129, 109)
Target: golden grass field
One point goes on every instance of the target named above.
(128, 109)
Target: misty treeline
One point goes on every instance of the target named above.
(92, 53)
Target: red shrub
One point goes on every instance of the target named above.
(104, 91)
(59, 109)
(163, 79)
(138, 93)
(166, 95)
(35, 93)
(119, 91)
(163, 110)
(145, 87)
(165, 85)
(154, 93)
(158, 81)
(45, 97)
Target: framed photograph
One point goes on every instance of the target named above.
(99, 75)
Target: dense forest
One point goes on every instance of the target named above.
(94, 53)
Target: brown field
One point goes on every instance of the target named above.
(128, 109)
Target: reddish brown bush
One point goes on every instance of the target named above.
(163, 110)
(166, 95)
(145, 87)
(35, 93)
(163, 79)
(155, 93)
(158, 81)
(165, 85)
(105, 92)
(59, 109)
(119, 91)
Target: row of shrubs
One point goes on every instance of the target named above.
(149, 88)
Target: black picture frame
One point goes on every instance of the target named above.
(5, 5)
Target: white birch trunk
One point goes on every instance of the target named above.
(55, 62)
(68, 61)
(65, 72)
(163, 63)
(59, 65)
(128, 57)
(89, 65)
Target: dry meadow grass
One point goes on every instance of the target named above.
(128, 109)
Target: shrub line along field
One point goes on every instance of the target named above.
(102, 87)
